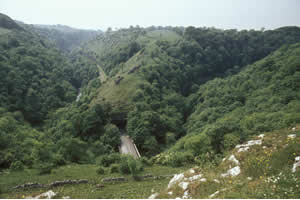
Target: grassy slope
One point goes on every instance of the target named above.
(130, 189)
(120, 96)
(261, 162)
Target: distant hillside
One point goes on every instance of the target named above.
(7, 23)
(65, 37)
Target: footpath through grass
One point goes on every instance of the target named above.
(130, 189)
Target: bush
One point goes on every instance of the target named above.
(100, 170)
(59, 160)
(131, 166)
(45, 168)
(230, 141)
(198, 144)
(145, 161)
(114, 168)
(107, 160)
(17, 166)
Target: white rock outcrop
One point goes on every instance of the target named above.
(192, 171)
(232, 172)
(234, 160)
(170, 193)
(261, 136)
(184, 185)
(245, 147)
(175, 179)
(296, 164)
(214, 194)
(292, 136)
(195, 177)
(186, 195)
(46, 195)
(153, 196)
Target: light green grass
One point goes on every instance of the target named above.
(130, 189)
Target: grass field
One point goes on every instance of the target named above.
(129, 189)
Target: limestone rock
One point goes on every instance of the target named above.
(232, 172)
(175, 179)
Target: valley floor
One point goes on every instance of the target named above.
(129, 190)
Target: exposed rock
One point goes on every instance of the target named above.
(296, 164)
(184, 185)
(232, 172)
(249, 178)
(292, 136)
(261, 136)
(195, 177)
(216, 181)
(153, 196)
(294, 128)
(203, 180)
(29, 185)
(66, 182)
(170, 193)
(99, 186)
(214, 194)
(186, 195)
(175, 179)
(233, 159)
(46, 195)
(245, 147)
(192, 171)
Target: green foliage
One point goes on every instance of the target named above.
(17, 166)
(114, 168)
(100, 170)
(198, 144)
(45, 168)
(107, 160)
(129, 165)
(174, 159)
(230, 141)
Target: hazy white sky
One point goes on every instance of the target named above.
(101, 14)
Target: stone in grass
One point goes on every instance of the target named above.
(234, 160)
(184, 185)
(296, 164)
(153, 196)
(175, 179)
(46, 195)
(232, 172)
(292, 136)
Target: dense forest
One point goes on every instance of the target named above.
(194, 91)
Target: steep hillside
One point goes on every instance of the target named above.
(179, 59)
(268, 166)
(7, 23)
(262, 97)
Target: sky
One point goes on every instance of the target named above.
(101, 14)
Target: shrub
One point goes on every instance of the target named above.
(100, 170)
(145, 161)
(45, 168)
(198, 144)
(107, 160)
(114, 168)
(131, 166)
(17, 166)
(230, 141)
(59, 160)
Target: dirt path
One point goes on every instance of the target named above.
(102, 76)
(128, 147)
